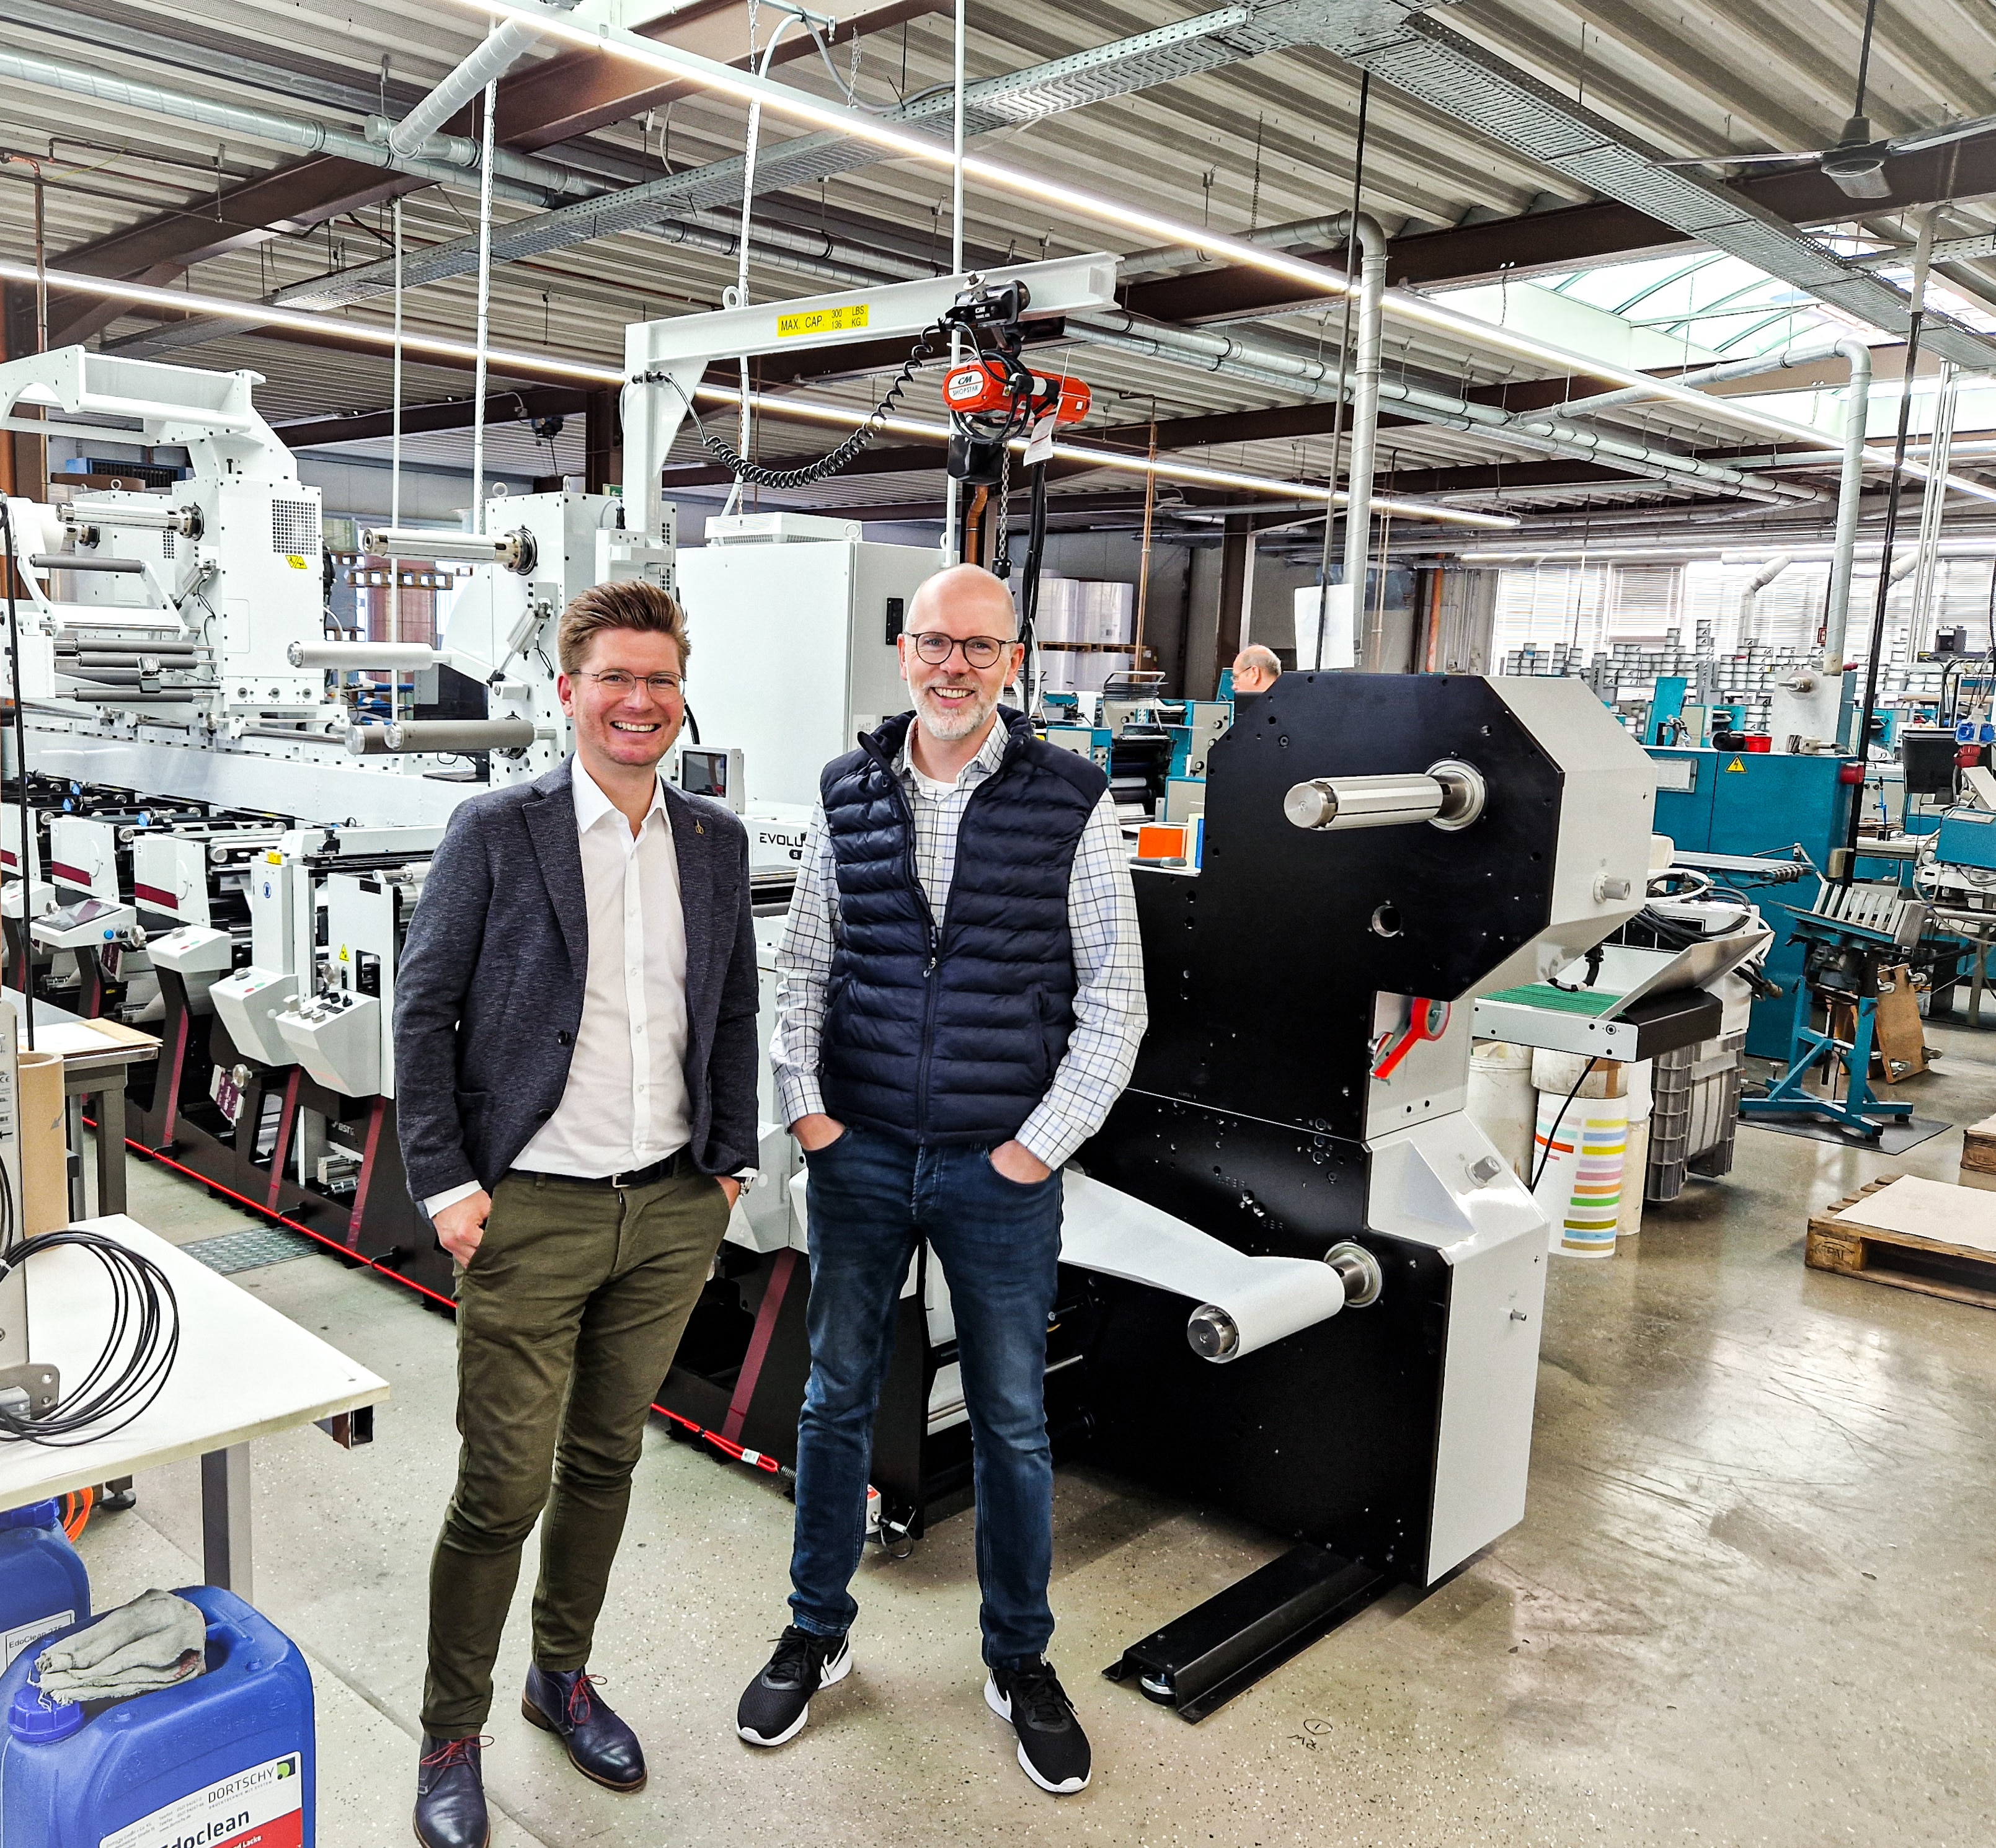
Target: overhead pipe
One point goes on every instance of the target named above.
(1299, 234)
(306, 136)
(1849, 495)
(493, 56)
(1264, 363)
(360, 655)
(1365, 390)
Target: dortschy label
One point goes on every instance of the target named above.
(261, 1808)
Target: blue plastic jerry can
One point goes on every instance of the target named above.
(228, 1760)
(43, 1586)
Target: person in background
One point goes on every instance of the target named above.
(962, 998)
(1255, 670)
(574, 1062)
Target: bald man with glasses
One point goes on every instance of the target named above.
(961, 999)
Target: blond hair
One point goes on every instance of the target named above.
(628, 606)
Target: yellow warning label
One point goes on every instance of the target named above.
(274, 858)
(342, 952)
(1738, 763)
(823, 320)
(295, 560)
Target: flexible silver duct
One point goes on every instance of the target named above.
(500, 52)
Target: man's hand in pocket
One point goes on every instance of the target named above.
(460, 1227)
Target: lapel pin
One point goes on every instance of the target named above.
(700, 827)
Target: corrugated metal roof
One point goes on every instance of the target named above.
(1257, 143)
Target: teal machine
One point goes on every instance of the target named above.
(1741, 816)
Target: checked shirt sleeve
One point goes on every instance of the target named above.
(804, 966)
(1109, 1013)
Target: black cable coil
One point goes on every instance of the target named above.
(833, 462)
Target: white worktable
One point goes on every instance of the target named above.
(244, 1373)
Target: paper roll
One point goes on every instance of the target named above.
(44, 1144)
(1263, 1299)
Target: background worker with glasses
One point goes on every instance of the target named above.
(961, 996)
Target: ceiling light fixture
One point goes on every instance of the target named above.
(1404, 304)
(805, 410)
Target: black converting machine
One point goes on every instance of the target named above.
(1298, 1284)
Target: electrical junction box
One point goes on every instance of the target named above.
(1967, 837)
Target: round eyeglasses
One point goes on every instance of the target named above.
(978, 650)
(618, 684)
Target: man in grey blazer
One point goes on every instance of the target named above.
(574, 1062)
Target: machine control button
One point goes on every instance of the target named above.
(1485, 1169)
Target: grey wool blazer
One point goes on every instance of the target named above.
(488, 993)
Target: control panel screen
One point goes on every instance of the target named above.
(704, 773)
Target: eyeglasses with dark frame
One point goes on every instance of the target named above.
(616, 682)
(978, 650)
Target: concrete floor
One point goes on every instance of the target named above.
(1751, 1602)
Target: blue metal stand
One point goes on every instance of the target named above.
(1857, 1109)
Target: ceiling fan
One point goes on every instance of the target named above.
(1856, 162)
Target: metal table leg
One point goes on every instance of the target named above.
(111, 1147)
(79, 1204)
(225, 1520)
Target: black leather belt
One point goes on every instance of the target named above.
(633, 1177)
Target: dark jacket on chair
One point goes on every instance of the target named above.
(488, 992)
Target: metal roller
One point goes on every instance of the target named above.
(1214, 1335)
(185, 520)
(454, 736)
(343, 654)
(1449, 794)
(69, 561)
(514, 550)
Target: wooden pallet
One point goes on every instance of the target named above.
(1962, 1273)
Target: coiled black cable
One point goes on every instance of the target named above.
(833, 462)
(138, 1355)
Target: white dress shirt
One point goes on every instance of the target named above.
(1109, 1013)
(624, 1106)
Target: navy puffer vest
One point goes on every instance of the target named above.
(952, 1035)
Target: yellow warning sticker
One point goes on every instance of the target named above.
(342, 952)
(295, 560)
(823, 320)
(1738, 763)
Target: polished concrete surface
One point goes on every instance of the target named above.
(1751, 1602)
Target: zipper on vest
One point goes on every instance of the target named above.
(936, 939)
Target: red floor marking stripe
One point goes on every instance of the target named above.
(153, 1154)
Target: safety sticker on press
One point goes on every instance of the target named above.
(1738, 765)
(263, 1807)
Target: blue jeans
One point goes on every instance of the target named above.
(871, 1200)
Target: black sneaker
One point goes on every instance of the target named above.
(1053, 1749)
(777, 1702)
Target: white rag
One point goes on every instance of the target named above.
(154, 1642)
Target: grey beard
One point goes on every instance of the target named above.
(947, 727)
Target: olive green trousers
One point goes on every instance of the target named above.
(568, 1318)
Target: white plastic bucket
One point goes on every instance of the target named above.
(1584, 1152)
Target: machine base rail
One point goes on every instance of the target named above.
(1199, 1661)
